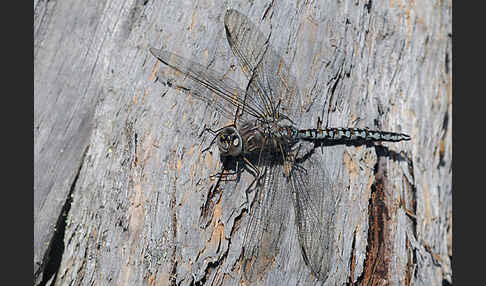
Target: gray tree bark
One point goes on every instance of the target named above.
(120, 179)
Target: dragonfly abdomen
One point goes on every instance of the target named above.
(340, 134)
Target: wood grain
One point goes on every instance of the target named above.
(127, 149)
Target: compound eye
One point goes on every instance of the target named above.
(236, 141)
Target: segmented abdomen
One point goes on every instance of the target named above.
(336, 134)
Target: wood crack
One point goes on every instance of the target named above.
(53, 258)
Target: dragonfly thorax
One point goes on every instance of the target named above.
(266, 136)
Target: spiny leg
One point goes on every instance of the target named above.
(212, 141)
(222, 175)
(228, 173)
(257, 175)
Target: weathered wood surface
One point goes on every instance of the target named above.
(138, 188)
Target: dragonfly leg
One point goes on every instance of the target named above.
(215, 133)
(257, 176)
(224, 175)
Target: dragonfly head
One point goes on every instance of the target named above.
(229, 142)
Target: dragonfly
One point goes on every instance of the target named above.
(264, 137)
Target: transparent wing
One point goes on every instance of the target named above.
(268, 219)
(315, 203)
(209, 86)
(269, 76)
